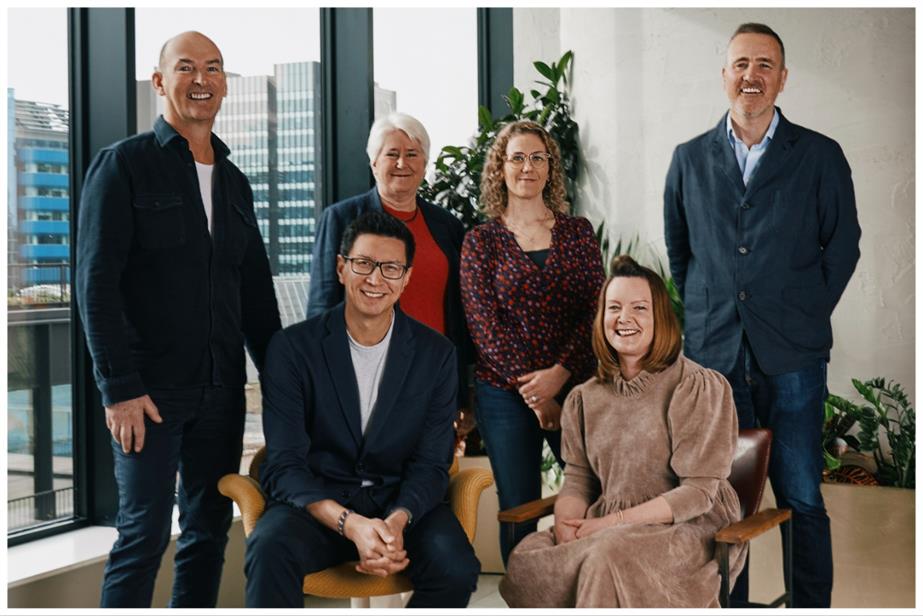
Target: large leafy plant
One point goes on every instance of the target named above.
(884, 415)
(456, 184)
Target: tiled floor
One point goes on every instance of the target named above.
(873, 538)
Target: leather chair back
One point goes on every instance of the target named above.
(750, 467)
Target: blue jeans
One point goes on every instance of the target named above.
(201, 437)
(792, 406)
(513, 439)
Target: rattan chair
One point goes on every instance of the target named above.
(343, 581)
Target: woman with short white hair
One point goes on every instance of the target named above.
(398, 150)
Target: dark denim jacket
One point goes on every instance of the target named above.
(165, 304)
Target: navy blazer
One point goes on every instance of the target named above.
(315, 448)
(770, 259)
(325, 291)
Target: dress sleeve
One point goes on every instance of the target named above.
(702, 421)
(495, 341)
(579, 478)
(588, 258)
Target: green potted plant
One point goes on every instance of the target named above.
(884, 415)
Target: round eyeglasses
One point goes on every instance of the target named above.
(536, 159)
(365, 266)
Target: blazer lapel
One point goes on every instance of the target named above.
(724, 157)
(397, 367)
(776, 155)
(342, 373)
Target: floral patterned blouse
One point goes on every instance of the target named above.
(523, 317)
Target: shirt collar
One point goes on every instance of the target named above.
(732, 138)
(165, 133)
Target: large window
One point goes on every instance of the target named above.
(40, 418)
(426, 63)
(297, 128)
(271, 121)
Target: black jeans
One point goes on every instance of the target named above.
(288, 543)
(792, 406)
(201, 437)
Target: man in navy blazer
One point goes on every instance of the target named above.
(762, 236)
(358, 404)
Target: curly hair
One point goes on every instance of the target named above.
(493, 183)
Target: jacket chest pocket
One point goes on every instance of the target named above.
(159, 220)
(241, 223)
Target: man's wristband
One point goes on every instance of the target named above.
(341, 521)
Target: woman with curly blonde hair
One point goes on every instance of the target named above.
(529, 281)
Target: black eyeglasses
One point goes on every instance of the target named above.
(365, 266)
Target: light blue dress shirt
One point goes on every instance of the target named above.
(749, 158)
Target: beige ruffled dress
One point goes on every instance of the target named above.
(672, 433)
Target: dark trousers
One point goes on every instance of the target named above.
(201, 437)
(289, 543)
(792, 406)
(513, 438)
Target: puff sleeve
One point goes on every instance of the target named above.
(579, 478)
(702, 421)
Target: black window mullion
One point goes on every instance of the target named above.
(495, 58)
(103, 110)
(348, 104)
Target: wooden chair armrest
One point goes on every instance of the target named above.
(246, 493)
(526, 512)
(465, 489)
(753, 526)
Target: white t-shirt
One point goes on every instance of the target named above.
(369, 366)
(205, 188)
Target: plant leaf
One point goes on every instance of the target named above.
(544, 70)
(485, 120)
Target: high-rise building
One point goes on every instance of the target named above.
(11, 184)
(247, 124)
(272, 124)
(39, 206)
(299, 172)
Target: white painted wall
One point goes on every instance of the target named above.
(645, 80)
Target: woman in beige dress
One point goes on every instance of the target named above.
(648, 443)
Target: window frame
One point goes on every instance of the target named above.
(102, 99)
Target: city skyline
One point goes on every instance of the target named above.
(439, 89)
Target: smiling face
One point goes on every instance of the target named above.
(753, 76)
(370, 296)
(527, 181)
(191, 79)
(628, 320)
(399, 167)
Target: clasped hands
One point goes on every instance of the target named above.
(569, 529)
(380, 543)
(539, 388)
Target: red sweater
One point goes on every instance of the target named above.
(424, 297)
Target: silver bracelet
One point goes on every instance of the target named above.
(341, 521)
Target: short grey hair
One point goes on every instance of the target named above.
(403, 122)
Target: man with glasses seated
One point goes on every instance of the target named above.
(358, 404)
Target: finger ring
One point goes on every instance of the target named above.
(533, 398)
